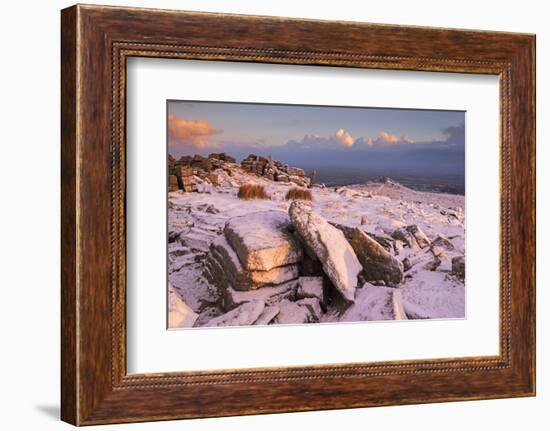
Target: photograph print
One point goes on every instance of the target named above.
(285, 214)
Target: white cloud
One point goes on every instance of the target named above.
(343, 138)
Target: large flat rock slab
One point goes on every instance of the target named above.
(225, 268)
(329, 245)
(262, 240)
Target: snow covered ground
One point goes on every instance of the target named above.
(429, 287)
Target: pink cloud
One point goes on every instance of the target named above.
(185, 132)
(391, 139)
(343, 138)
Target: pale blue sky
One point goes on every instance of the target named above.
(273, 125)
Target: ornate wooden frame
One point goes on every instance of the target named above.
(95, 42)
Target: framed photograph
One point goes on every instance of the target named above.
(264, 215)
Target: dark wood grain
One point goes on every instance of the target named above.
(96, 41)
(69, 397)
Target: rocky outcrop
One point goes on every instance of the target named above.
(299, 181)
(218, 167)
(186, 179)
(297, 172)
(256, 260)
(222, 156)
(188, 168)
(329, 245)
(224, 265)
(262, 240)
(254, 251)
(218, 177)
(173, 183)
(256, 165)
(378, 263)
(275, 170)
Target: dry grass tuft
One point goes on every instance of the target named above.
(252, 191)
(298, 194)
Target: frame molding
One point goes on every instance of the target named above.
(96, 41)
